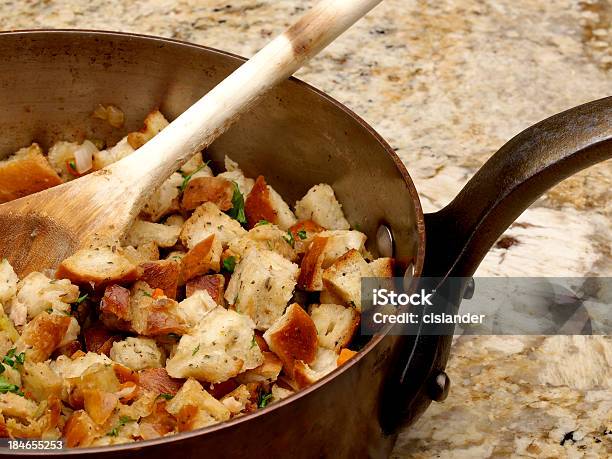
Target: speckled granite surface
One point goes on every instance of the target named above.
(447, 83)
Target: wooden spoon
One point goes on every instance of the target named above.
(40, 230)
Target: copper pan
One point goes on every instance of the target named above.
(51, 80)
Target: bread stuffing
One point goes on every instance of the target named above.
(222, 299)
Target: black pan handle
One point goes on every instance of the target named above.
(460, 235)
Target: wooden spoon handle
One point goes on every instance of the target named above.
(210, 116)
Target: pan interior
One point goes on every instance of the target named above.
(296, 137)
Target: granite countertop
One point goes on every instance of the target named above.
(447, 83)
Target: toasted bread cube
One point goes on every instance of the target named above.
(193, 309)
(26, 172)
(343, 278)
(165, 200)
(205, 256)
(233, 173)
(306, 374)
(320, 205)
(199, 190)
(115, 308)
(113, 154)
(144, 232)
(8, 281)
(42, 335)
(99, 339)
(151, 316)
(293, 337)
(261, 286)
(340, 242)
(40, 380)
(80, 430)
(39, 293)
(279, 393)
(175, 220)
(99, 404)
(153, 124)
(303, 233)
(158, 381)
(213, 284)
(99, 266)
(268, 371)
(195, 164)
(263, 203)
(335, 324)
(218, 349)
(206, 221)
(264, 237)
(137, 353)
(143, 253)
(195, 408)
(311, 269)
(16, 406)
(162, 274)
(382, 267)
(237, 400)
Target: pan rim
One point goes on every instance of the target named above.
(372, 343)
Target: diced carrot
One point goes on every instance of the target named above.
(345, 354)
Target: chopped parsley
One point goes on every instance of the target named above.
(166, 396)
(302, 234)
(5, 387)
(289, 239)
(145, 293)
(10, 358)
(237, 210)
(195, 350)
(253, 342)
(123, 420)
(262, 222)
(229, 264)
(72, 165)
(264, 399)
(80, 299)
(187, 177)
(2, 368)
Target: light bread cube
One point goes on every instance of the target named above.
(195, 408)
(206, 221)
(293, 337)
(40, 380)
(195, 307)
(340, 242)
(343, 277)
(113, 154)
(8, 281)
(264, 237)
(233, 173)
(39, 293)
(42, 336)
(264, 203)
(261, 286)
(382, 267)
(62, 157)
(219, 348)
(268, 371)
(279, 393)
(237, 400)
(306, 374)
(321, 206)
(143, 232)
(137, 353)
(335, 324)
(195, 165)
(26, 172)
(165, 200)
(205, 256)
(16, 406)
(199, 190)
(153, 124)
(99, 266)
(68, 368)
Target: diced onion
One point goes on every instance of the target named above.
(83, 157)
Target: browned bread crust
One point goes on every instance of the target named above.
(26, 172)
